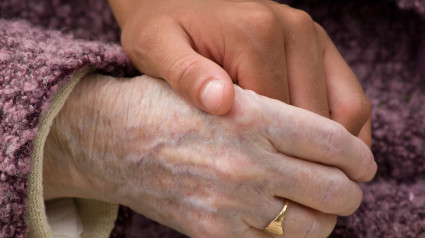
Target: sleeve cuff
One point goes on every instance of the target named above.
(97, 217)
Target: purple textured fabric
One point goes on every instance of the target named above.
(416, 5)
(382, 40)
(33, 64)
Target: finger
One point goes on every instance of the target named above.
(347, 101)
(323, 188)
(164, 50)
(257, 59)
(307, 222)
(299, 221)
(304, 54)
(366, 133)
(299, 133)
(263, 74)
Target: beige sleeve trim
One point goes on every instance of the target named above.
(98, 218)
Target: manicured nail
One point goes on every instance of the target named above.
(212, 95)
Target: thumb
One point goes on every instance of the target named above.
(167, 53)
(199, 80)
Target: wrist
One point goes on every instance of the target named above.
(70, 144)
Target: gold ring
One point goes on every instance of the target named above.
(275, 227)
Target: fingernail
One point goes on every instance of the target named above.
(212, 95)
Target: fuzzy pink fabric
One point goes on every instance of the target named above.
(34, 62)
(43, 42)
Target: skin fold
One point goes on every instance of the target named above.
(137, 143)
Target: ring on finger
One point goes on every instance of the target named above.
(275, 227)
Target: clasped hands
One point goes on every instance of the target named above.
(138, 143)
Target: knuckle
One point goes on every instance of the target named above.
(338, 198)
(259, 19)
(301, 20)
(334, 194)
(333, 138)
(320, 31)
(322, 36)
(179, 69)
(356, 107)
(245, 106)
(319, 28)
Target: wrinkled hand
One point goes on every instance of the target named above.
(137, 143)
(202, 46)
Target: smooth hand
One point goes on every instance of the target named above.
(201, 47)
(136, 142)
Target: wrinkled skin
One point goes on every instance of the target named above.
(136, 142)
(269, 48)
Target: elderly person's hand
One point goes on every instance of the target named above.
(201, 46)
(137, 143)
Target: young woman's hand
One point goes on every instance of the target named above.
(201, 47)
(136, 142)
